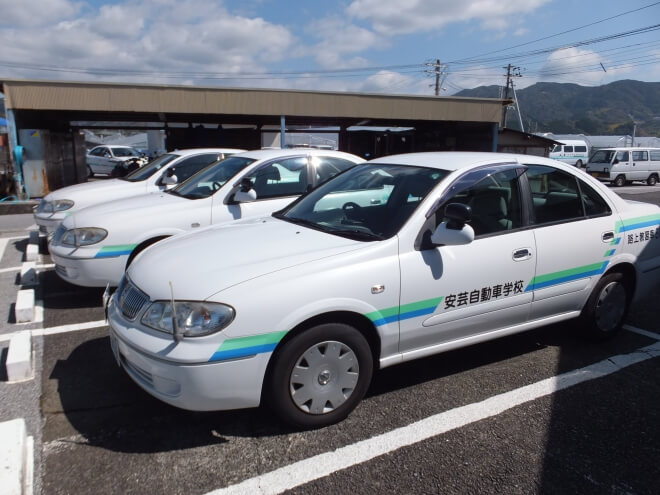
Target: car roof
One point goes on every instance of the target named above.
(197, 151)
(267, 154)
(456, 160)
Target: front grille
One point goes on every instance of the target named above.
(130, 299)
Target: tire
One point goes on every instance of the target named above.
(620, 181)
(607, 307)
(578, 164)
(90, 173)
(309, 394)
(652, 180)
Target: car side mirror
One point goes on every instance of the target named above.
(455, 231)
(246, 192)
(169, 180)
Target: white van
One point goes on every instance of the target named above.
(623, 165)
(572, 152)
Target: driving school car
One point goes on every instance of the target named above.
(153, 177)
(299, 309)
(93, 246)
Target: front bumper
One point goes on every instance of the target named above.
(88, 272)
(206, 386)
(48, 224)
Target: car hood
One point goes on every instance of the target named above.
(124, 210)
(100, 190)
(206, 262)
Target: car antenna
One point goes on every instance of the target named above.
(175, 328)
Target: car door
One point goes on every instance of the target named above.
(94, 159)
(449, 293)
(640, 165)
(575, 237)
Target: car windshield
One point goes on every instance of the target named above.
(205, 182)
(125, 152)
(369, 202)
(556, 149)
(602, 156)
(143, 173)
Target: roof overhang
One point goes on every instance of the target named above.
(92, 97)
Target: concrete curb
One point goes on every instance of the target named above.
(19, 358)
(16, 458)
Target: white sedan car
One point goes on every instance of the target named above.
(93, 246)
(300, 308)
(103, 159)
(160, 174)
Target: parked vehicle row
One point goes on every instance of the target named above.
(377, 263)
(161, 174)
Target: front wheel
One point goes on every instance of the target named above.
(90, 172)
(320, 376)
(579, 164)
(620, 181)
(607, 306)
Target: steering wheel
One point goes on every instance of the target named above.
(216, 185)
(353, 211)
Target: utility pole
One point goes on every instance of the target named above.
(511, 72)
(440, 72)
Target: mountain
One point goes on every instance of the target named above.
(573, 109)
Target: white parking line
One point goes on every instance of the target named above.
(322, 465)
(5, 240)
(47, 266)
(74, 327)
(645, 333)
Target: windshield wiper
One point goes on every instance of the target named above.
(354, 233)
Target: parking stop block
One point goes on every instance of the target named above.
(29, 273)
(24, 309)
(32, 252)
(15, 458)
(19, 357)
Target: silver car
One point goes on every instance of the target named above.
(103, 159)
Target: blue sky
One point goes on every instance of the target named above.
(353, 45)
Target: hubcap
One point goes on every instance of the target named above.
(324, 377)
(610, 307)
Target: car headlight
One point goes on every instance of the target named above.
(194, 319)
(84, 236)
(54, 206)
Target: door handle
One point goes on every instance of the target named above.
(522, 254)
(607, 236)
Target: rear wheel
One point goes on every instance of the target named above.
(652, 180)
(607, 306)
(620, 181)
(320, 376)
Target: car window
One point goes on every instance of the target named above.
(655, 156)
(594, 204)
(284, 177)
(191, 165)
(327, 167)
(209, 179)
(494, 201)
(622, 156)
(150, 169)
(367, 202)
(568, 149)
(125, 152)
(580, 149)
(555, 195)
(640, 156)
(97, 151)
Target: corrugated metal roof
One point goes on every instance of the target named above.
(114, 97)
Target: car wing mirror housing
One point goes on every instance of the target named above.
(455, 231)
(245, 193)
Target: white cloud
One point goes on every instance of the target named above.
(395, 17)
(339, 39)
(31, 13)
(155, 36)
(575, 65)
